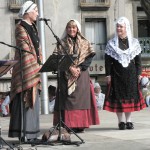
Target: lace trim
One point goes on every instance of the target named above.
(123, 56)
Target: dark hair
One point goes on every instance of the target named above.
(52, 90)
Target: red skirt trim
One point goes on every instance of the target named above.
(81, 118)
(124, 107)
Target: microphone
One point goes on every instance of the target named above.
(44, 19)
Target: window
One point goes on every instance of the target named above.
(95, 32)
(143, 28)
(144, 36)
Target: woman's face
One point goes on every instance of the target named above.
(72, 30)
(33, 14)
(97, 90)
(121, 30)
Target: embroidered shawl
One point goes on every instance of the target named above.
(83, 50)
(123, 56)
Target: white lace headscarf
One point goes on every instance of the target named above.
(27, 7)
(124, 22)
(123, 56)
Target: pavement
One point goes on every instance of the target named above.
(105, 136)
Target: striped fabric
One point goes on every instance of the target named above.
(30, 67)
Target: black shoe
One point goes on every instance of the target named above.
(77, 130)
(6, 115)
(129, 125)
(80, 130)
(122, 126)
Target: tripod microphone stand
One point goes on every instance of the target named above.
(60, 63)
(5, 66)
(22, 137)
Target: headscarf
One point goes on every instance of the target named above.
(123, 56)
(78, 26)
(82, 47)
(27, 7)
(124, 21)
(96, 85)
(144, 81)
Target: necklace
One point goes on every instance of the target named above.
(123, 43)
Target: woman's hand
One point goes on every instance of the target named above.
(108, 79)
(75, 71)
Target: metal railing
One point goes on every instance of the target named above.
(145, 45)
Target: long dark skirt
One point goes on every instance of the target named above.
(27, 125)
(123, 94)
(123, 105)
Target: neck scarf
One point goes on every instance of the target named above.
(81, 47)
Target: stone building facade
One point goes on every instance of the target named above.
(97, 18)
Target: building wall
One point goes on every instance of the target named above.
(60, 12)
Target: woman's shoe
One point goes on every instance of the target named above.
(122, 126)
(77, 130)
(80, 130)
(129, 125)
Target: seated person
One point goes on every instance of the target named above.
(100, 97)
(5, 105)
(146, 90)
(52, 96)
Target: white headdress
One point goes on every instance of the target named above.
(78, 26)
(96, 85)
(123, 56)
(144, 81)
(124, 21)
(27, 7)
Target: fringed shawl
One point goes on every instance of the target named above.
(83, 49)
(30, 67)
(82, 46)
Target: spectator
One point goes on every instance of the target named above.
(100, 97)
(5, 105)
(146, 90)
(52, 96)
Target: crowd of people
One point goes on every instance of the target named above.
(76, 96)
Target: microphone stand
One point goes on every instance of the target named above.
(58, 77)
(58, 41)
(22, 138)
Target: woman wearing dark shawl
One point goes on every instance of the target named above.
(123, 69)
(77, 101)
(24, 118)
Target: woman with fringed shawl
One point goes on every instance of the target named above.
(25, 114)
(77, 101)
(123, 69)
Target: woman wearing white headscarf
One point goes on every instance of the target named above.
(123, 69)
(77, 101)
(24, 120)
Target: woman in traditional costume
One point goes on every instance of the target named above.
(123, 69)
(76, 98)
(24, 119)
